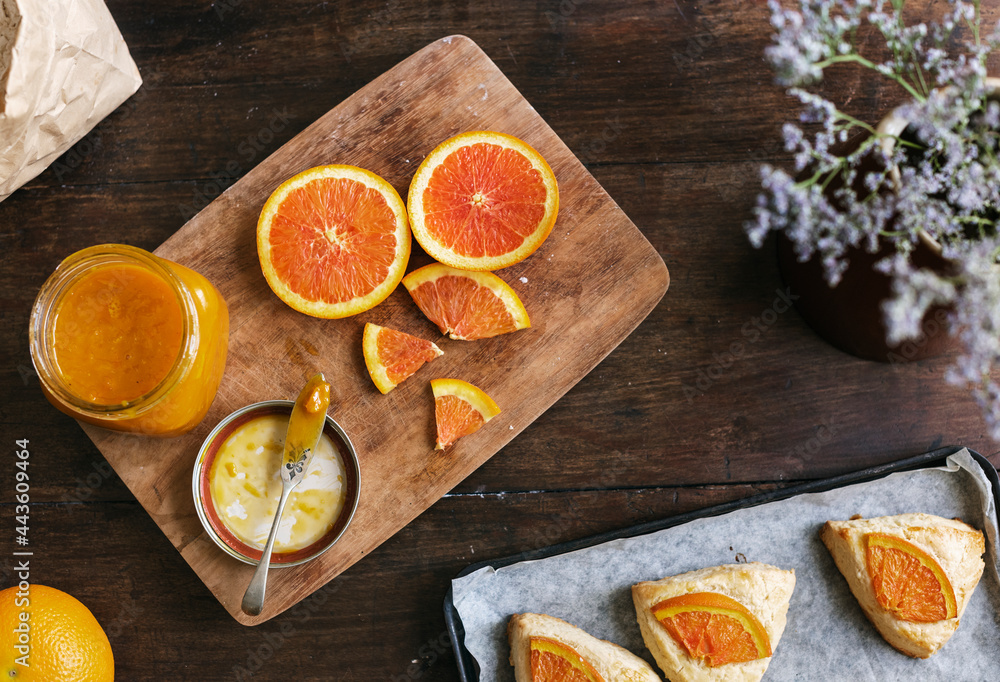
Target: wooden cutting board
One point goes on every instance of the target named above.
(587, 287)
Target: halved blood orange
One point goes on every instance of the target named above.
(459, 409)
(466, 305)
(908, 581)
(714, 628)
(482, 201)
(393, 356)
(333, 241)
(553, 661)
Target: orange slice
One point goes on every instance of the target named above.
(713, 627)
(908, 582)
(459, 409)
(482, 201)
(466, 305)
(333, 241)
(553, 661)
(393, 356)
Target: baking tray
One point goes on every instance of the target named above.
(468, 667)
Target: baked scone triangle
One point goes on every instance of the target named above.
(922, 547)
(761, 590)
(602, 661)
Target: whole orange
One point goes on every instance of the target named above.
(61, 641)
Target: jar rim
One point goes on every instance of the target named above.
(70, 271)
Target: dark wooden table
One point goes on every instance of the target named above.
(671, 107)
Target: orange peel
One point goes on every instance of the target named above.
(482, 200)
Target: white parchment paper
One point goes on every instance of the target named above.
(63, 67)
(827, 638)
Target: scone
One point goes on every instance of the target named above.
(548, 643)
(715, 624)
(912, 574)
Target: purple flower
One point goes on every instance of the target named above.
(941, 176)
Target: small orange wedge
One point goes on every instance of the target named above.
(393, 356)
(459, 409)
(466, 305)
(482, 201)
(553, 661)
(908, 581)
(333, 241)
(714, 628)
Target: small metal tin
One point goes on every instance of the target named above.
(218, 531)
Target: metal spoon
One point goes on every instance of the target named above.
(305, 428)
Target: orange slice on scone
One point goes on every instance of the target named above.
(482, 201)
(912, 574)
(393, 356)
(466, 305)
(908, 581)
(715, 623)
(459, 409)
(714, 628)
(553, 661)
(548, 649)
(333, 241)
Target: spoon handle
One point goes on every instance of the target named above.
(253, 598)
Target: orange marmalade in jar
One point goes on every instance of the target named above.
(123, 339)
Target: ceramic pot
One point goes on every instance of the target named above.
(849, 316)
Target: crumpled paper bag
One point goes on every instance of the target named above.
(63, 67)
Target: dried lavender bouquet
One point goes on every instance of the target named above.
(934, 179)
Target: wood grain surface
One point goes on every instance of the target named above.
(669, 105)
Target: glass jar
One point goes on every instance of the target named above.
(129, 341)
